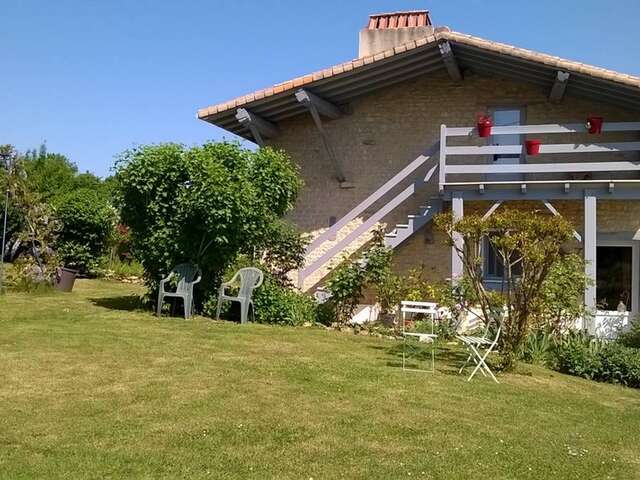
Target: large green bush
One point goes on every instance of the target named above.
(578, 354)
(88, 224)
(204, 205)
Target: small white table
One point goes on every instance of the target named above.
(429, 309)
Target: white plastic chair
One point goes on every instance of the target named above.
(250, 278)
(428, 309)
(188, 275)
(479, 349)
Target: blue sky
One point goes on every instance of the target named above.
(94, 77)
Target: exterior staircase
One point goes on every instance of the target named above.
(414, 223)
(325, 248)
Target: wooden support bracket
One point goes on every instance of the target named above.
(319, 106)
(559, 86)
(259, 127)
(450, 61)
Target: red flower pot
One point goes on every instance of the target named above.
(484, 126)
(594, 124)
(533, 146)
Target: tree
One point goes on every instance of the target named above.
(528, 245)
(204, 204)
(88, 226)
(39, 226)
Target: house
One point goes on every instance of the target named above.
(390, 138)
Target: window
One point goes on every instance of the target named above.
(493, 266)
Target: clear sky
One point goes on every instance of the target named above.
(94, 77)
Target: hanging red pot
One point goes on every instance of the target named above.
(484, 126)
(594, 124)
(533, 146)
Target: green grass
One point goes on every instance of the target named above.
(90, 388)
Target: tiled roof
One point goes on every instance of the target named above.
(381, 21)
(441, 34)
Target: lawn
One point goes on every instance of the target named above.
(92, 388)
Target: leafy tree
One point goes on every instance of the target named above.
(528, 245)
(89, 223)
(49, 174)
(204, 204)
(39, 226)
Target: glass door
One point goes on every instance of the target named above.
(614, 278)
(506, 117)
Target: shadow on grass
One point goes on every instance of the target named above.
(126, 303)
(448, 358)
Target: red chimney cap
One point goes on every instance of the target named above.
(413, 18)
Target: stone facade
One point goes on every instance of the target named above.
(387, 129)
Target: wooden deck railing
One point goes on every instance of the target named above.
(488, 169)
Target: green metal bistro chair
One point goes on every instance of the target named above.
(187, 275)
(250, 278)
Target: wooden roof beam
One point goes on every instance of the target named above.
(450, 61)
(324, 107)
(319, 106)
(258, 126)
(559, 87)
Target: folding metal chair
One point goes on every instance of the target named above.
(429, 310)
(479, 349)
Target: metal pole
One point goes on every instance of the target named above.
(4, 226)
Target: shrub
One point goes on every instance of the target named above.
(88, 225)
(620, 364)
(577, 354)
(203, 205)
(274, 302)
(281, 305)
(631, 338)
(346, 286)
(349, 279)
(562, 295)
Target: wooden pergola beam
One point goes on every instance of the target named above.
(450, 61)
(258, 126)
(559, 87)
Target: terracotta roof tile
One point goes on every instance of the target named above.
(441, 34)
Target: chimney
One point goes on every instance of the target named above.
(387, 30)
